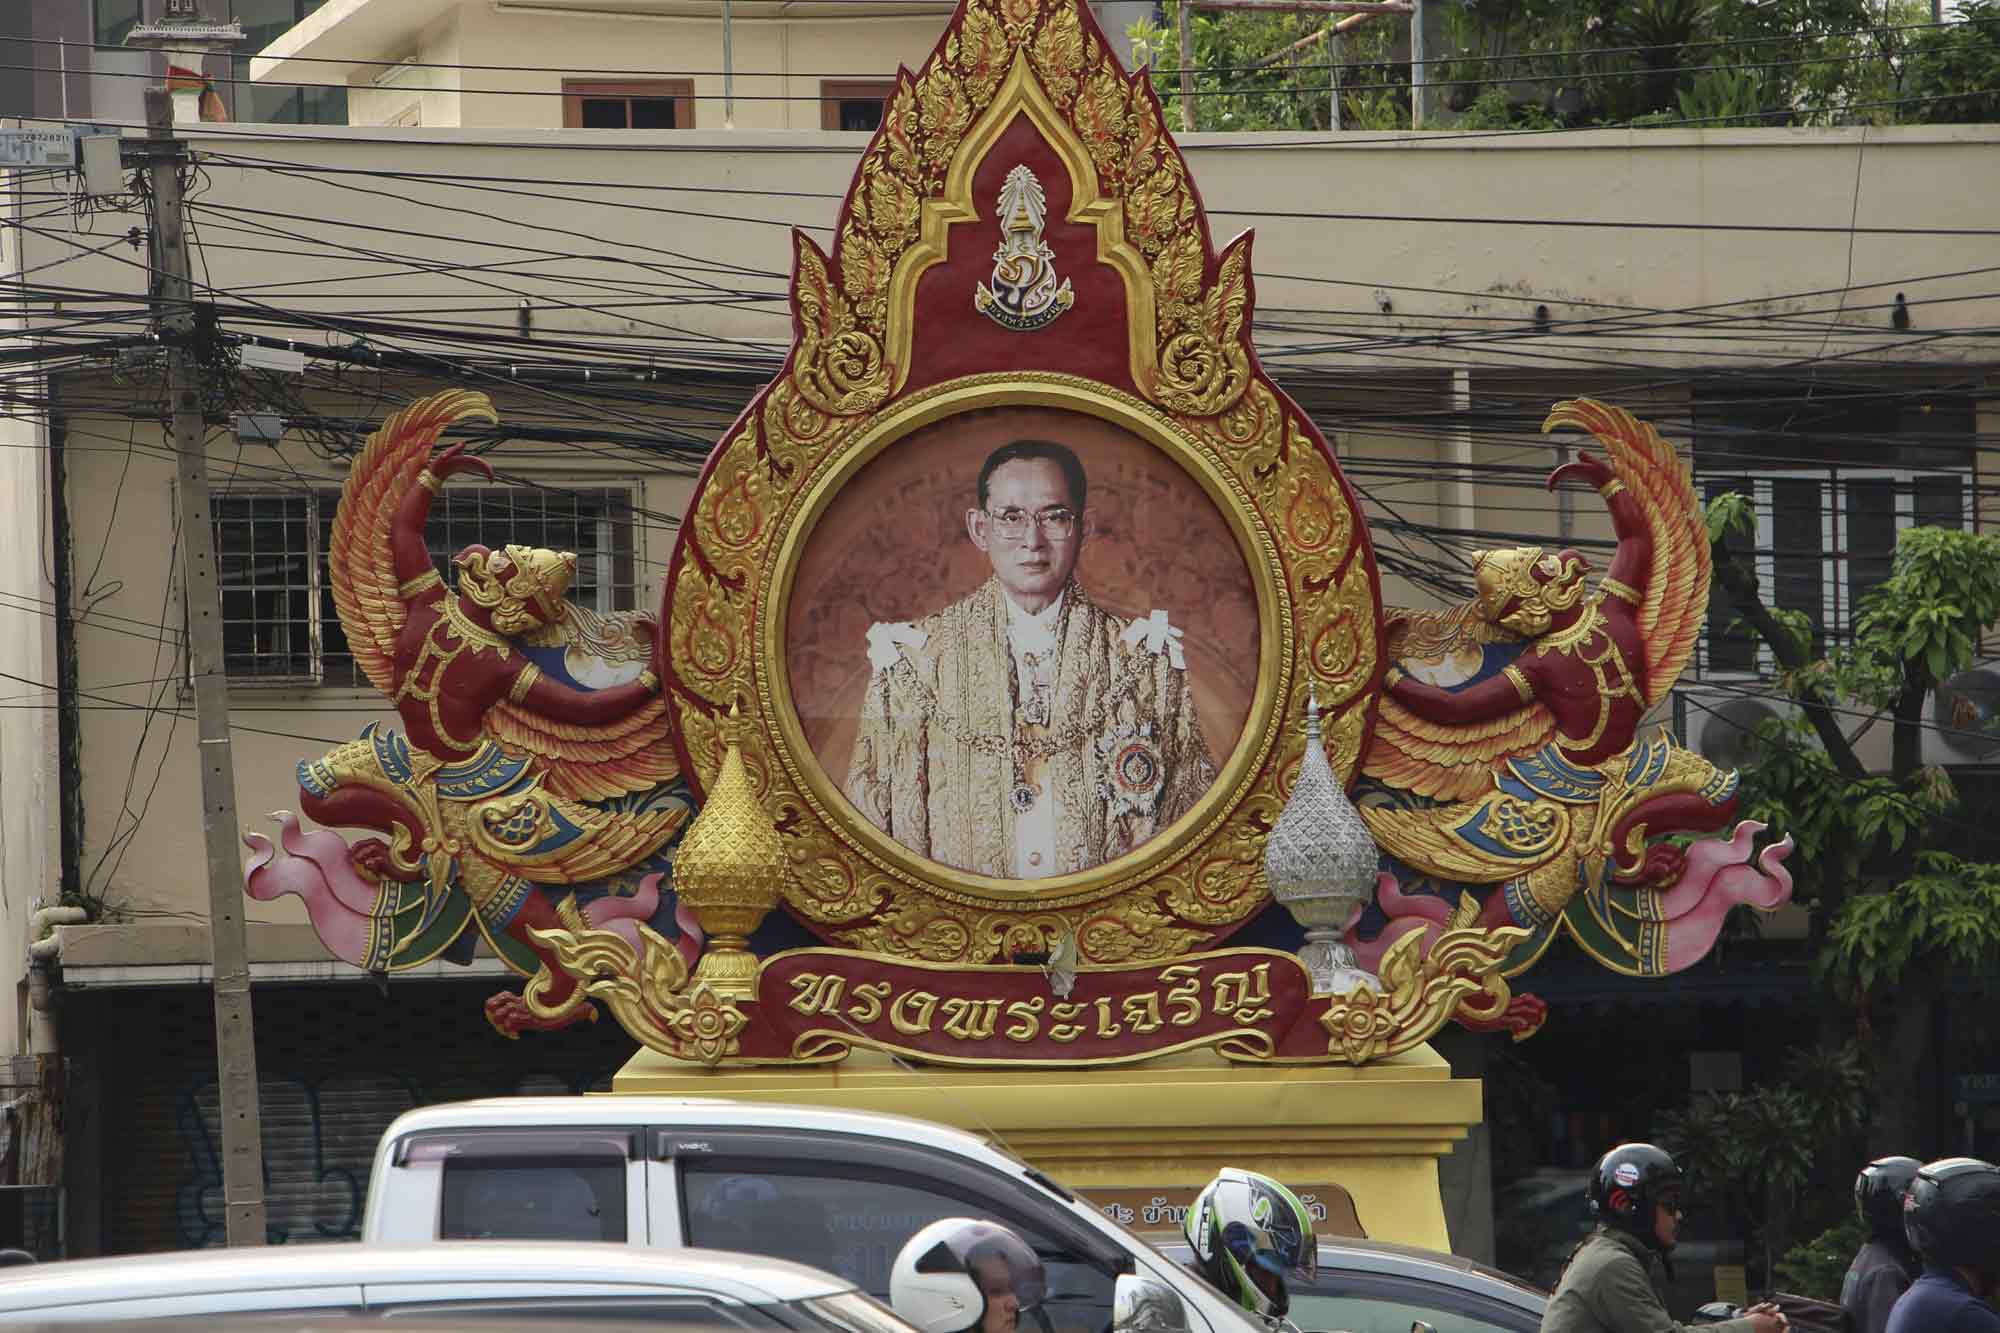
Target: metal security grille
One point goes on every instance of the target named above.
(278, 618)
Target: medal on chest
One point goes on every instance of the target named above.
(1135, 772)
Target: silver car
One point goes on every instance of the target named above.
(453, 1280)
(1367, 1286)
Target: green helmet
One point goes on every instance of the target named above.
(1248, 1233)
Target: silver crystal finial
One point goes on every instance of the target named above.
(1320, 863)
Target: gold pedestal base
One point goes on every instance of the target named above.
(1162, 1128)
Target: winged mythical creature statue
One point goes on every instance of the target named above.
(1507, 758)
(510, 777)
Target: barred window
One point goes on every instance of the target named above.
(279, 624)
(1833, 480)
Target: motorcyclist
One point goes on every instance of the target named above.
(1635, 1193)
(1952, 1215)
(959, 1275)
(1248, 1233)
(1885, 1265)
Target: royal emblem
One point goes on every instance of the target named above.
(1026, 294)
(1137, 771)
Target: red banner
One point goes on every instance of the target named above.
(817, 1002)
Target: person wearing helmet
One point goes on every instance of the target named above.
(1885, 1265)
(1635, 1194)
(959, 1275)
(1248, 1233)
(1952, 1216)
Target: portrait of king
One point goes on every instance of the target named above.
(1023, 730)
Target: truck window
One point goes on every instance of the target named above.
(852, 1221)
(532, 1198)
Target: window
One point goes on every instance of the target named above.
(524, 1199)
(654, 104)
(1398, 1311)
(853, 1220)
(851, 104)
(111, 20)
(279, 623)
(1834, 478)
(264, 22)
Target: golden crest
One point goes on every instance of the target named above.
(1185, 381)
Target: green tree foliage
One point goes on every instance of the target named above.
(1958, 68)
(1542, 64)
(1754, 1154)
(1898, 917)
(1248, 80)
(1817, 1267)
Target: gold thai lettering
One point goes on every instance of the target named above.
(815, 994)
(1142, 1012)
(1106, 1025)
(970, 1020)
(1027, 1020)
(925, 1005)
(1064, 1026)
(868, 999)
(1245, 996)
(1184, 997)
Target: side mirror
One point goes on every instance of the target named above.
(1419, 1326)
(1142, 1305)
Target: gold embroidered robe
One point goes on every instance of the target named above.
(934, 762)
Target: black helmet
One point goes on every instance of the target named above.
(1952, 1215)
(1878, 1195)
(1627, 1182)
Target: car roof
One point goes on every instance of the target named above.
(745, 1278)
(1348, 1254)
(668, 1112)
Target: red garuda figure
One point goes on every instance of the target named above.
(1507, 759)
(509, 777)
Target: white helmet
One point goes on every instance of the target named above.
(954, 1270)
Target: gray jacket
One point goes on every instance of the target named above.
(1874, 1281)
(1608, 1288)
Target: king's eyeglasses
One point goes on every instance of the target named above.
(1012, 524)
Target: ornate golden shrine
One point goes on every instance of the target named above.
(1024, 796)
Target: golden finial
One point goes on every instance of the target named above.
(730, 871)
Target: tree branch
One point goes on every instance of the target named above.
(1741, 585)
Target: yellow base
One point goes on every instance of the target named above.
(1167, 1125)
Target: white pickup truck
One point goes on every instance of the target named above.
(840, 1191)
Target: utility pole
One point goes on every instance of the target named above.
(1420, 69)
(174, 321)
(1184, 24)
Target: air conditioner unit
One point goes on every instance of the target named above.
(1962, 719)
(1721, 724)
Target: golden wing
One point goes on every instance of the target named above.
(1443, 761)
(1660, 480)
(362, 571)
(594, 763)
(608, 841)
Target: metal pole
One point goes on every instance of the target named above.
(1313, 39)
(1419, 68)
(728, 71)
(236, 1052)
(1184, 21)
(1333, 79)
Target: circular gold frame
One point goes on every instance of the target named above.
(1256, 544)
